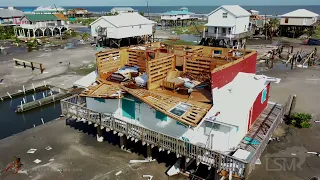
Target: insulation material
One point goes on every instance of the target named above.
(142, 80)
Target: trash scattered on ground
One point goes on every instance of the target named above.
(48, 148)
(258, 161)
(37, 161)
(141, 161)
(118, 173)
(315, 153)
(274, 139)
(147, 176)
(31, 151)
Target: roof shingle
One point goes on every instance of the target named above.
(41, 17)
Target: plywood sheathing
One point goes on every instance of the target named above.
(103, 90)
(108, 61)
(165, 103)
(158, 69)
(182, 53)
(137, 58)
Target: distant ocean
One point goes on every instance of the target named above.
(268, 10)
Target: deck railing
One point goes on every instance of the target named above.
(74, 107)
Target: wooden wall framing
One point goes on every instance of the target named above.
(158, 69)
(196, 65)
(107, 62)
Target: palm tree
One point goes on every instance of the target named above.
(272, 27)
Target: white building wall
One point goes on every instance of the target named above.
(131, 31)
(146, 117)
(242, 24)
(111, 30)
(217, 18)
(175, 17)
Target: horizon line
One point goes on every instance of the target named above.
(149, 5)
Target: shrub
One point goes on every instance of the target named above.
(301, 120)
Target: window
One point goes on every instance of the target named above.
(132, 26)
(215, 30)
(224, 15)
(286, 20)
(180, 109)
(181, 124)
(99, 99)
(229, 30)
(224, 30)
(264, 95)
(140, 26)
(161, 116)
(245, 27)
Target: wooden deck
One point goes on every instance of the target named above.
(261, 131)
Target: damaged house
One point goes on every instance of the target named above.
(202, 103)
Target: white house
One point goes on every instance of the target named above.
(123, 25)
(120, 10)
(177, 15)
(299, 17)
(218, 131)
(228, 21)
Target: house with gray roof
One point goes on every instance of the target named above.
(119, 10)
(10, 16)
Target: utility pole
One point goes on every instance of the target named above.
(148, 10)
(265, 25)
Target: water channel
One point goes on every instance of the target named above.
(12, 123)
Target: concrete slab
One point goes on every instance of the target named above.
(74, 155)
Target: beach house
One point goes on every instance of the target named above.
(119, 10)
(296, 22)
(78, 13)
(124, 28)
(177, 18)
(10, 16)
(35, 25)
(230, 23)
(204, 113)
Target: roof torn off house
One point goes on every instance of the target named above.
(207, 98)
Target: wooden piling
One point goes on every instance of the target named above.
(293, 105)
(123, 142)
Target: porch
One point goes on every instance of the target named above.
(74, 108)
(34, 30)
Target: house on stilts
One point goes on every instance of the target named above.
(204, 113)
(177, 18)
(228, 26)
(122, 29)
(295, 23)
(40, 25)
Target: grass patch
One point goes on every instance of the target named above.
(189, 29)
(179, 42)
(84, 70)
(317, 32)
(301, 120)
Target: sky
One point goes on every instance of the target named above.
(154, 2)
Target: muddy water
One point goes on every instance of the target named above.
(12, 123)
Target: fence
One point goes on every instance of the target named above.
(74, 107)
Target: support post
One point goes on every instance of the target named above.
(123, 142)
(99, 131)
(149, 151)
(293, 105)
(183, 163)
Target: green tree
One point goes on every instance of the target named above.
(141, 13)
(272, 27)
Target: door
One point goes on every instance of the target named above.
(305, 21)
(128, 108)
